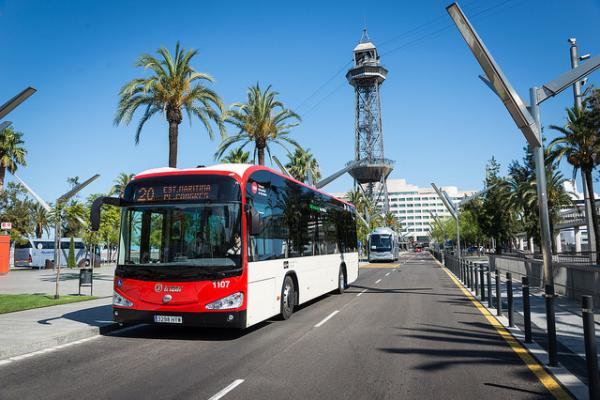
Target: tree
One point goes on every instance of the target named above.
(12, 153)
(71, 257)
(40, 219)
(16, 208)
(579, 143)
(237, 156)
(262, 120)
(174, 87)
(120, 183)
(523, 198)
(390, 220)
(302, 161)
(495, 219)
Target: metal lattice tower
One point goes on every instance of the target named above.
(366, 76)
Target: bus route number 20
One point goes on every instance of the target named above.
(221, 284)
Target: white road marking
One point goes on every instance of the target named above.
(388, 274)
(326, 318)
(358, 295)
(44, 351)
(226, 390)
(377, 281)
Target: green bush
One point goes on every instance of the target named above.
(71, 258)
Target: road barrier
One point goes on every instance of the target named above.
(591, 355)
(509, 296)
(473, 277)
(498, 294)
(526, 308)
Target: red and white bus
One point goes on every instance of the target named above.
(227, 246)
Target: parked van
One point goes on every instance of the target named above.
(34, 253)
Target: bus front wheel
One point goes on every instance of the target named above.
(288, 298)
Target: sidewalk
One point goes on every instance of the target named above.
(29, 281)
(27, 331)
(37, 329)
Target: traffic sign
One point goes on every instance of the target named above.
(6, 226)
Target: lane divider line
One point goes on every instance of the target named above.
(227, 389)
(327, 318)
(534, 366)
(388, 274)
(377, 281)
(358, 295)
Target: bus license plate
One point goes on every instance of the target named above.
(168, 319)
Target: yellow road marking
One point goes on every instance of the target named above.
(545, 378)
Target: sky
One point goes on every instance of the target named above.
(440, 122)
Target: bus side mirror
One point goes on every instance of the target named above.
(95, 210)
(253, 220)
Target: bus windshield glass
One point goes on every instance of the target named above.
(203, 235)
(381, 242)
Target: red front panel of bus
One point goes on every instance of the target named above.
(184, 296)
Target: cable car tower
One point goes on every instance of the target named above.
(370, 169)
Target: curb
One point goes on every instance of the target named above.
(22, 349)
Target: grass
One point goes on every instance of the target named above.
(19, 302)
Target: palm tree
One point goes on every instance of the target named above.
(237, 156)
(302, 161)
(390, 220)
(12, 153)
(120, 183)
(41, 219)
(580, 145)
(173, 87)
(262, 120)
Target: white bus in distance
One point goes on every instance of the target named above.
(383, 244)
(34, 253)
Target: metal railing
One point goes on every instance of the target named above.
(473, 277)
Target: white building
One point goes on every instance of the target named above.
(412, 204)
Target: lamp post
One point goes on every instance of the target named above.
(587, 201)
(528, 121)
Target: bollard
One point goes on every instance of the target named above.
(509, 294)
(526, 308)
(551, 326)
(489, 285)
(476, 279)
(471, 276)
(498, 294)
(591, 355)
(482, 282)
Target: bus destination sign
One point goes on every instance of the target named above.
(175, 192)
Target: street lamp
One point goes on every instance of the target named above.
(15, 101)
(5, 125)
(57, 227)
(528, 121)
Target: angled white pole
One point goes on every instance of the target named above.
(281, 166)
(34, 194)
(453, 211)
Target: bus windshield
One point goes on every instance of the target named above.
(381, 242)
(201, 235)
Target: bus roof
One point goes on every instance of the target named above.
(239, 171)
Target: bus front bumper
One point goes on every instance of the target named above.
(221, 319)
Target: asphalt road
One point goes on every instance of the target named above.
(400, 332)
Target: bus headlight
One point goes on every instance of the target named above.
(121, 301)
(232, 301)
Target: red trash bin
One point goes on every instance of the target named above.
(4, 253)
